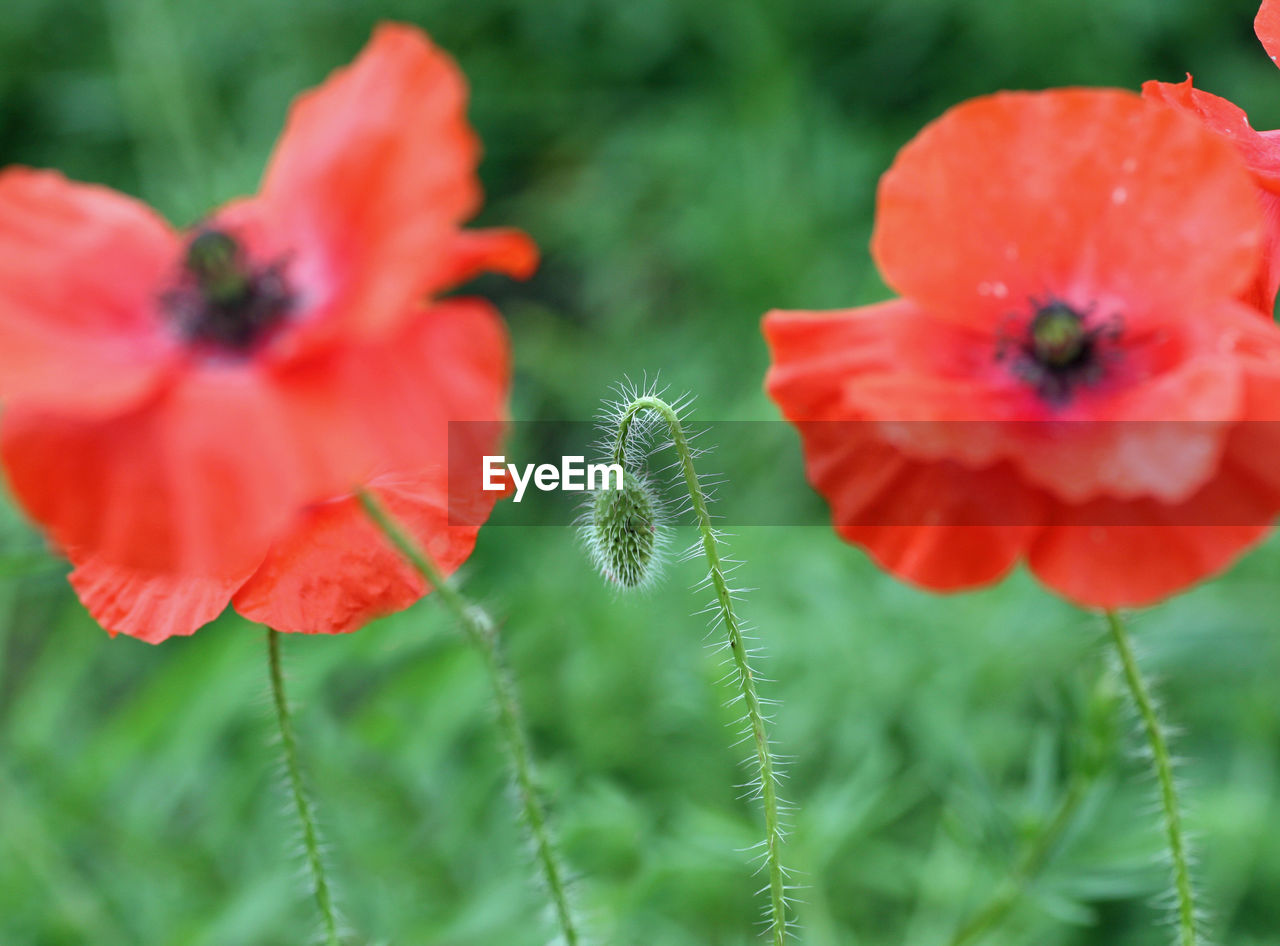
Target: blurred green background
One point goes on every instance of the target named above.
(685, 165)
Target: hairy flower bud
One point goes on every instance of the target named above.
(623, 532)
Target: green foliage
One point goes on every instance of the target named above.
(685, 166)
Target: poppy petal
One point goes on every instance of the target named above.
(198, 481)
(336, 571)
(149, 607)
(1255, 441)
(1266, 285)
(1093, 196)
(938, 524)
(1267, 27)
(386, 405)
(81, 272)
(1227, 119)
(495, 250)
(1087, 552)
(374, 171)
(1260, 151)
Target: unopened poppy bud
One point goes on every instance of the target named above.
(622, 528)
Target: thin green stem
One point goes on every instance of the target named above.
(483, 632)
(1138, 689)
(301, 803)
(733, 629)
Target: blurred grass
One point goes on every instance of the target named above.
(685, 166)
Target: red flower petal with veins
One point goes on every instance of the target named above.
(1034, 194)
(337, 571)
(150, 607)
(1067, 380)
(1261, 152)
(373, 174)
(79, 267)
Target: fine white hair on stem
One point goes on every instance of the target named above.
(1186, 915)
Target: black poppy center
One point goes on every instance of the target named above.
(223, 299)
(1061, 349)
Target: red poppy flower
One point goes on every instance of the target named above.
(1068, 379)
(175, 400)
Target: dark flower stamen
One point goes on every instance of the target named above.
(1058, 336)
(222, 300)
(1059, 350)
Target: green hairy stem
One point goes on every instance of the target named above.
(766, 766)
(481, 629)
(301, 802)
(1188, 933)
